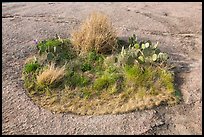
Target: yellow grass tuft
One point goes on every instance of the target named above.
(96, 33)
(51, 75)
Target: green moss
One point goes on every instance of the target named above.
(97, 69)
(53, 42)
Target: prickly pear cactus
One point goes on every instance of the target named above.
(148, 52)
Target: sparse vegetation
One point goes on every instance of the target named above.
(63, 80)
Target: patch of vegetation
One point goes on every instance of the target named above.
(57, 50)
(104, 82)
(77, 80)
(135, 76)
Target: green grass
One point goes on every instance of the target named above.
(77, 80)
(103, 82)
(31, 67)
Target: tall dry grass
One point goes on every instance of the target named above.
(95, 33)
(51, 75)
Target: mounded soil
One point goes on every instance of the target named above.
(178, 28)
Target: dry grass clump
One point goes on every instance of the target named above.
(51, 75)
(96, 33)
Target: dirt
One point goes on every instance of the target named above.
(177, 27)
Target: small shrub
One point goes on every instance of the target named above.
(96, 33)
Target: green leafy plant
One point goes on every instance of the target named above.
(56, 49)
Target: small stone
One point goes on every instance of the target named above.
(160, 123)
